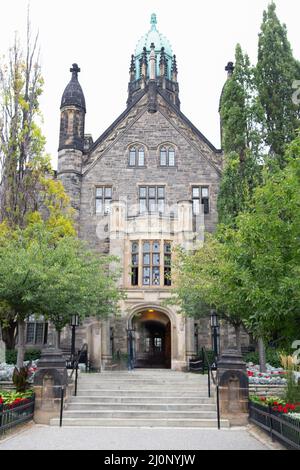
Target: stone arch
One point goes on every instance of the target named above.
(144, 307)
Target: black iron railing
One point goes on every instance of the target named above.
(285, 429)
(12, 415)
(212, 380)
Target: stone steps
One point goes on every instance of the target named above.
(83, 406)
(147, 398)
(141, 423)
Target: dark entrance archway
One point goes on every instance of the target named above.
(152, 339)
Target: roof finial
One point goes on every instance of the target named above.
(153, 21)
(229, 69)
(75, 70)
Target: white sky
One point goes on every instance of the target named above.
(101, 36)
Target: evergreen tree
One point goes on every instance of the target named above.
(240, 139)
(276, 73)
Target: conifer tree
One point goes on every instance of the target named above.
(276, 72)
(240, 139)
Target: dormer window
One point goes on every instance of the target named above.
(136, 156)
(167, 156)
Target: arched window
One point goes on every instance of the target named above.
(167, 156)
(163, 156)
(132, 155)
(141, 157)
(136, 156)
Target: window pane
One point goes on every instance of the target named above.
(39, 333)
(152, 192)
(135, 260)
(152, 205)
(196, 206)
(205, 202)
(107, 206)
(204, 192)
(167, 247)
(134, 276)
(143, 192)
(167, 277)
(141, 157)
(196, 192)
(99, 206)
(155, 277)
(146, 247)
(163, 157)
(30, 333)
(156, 247)
(171, 157)
(108, 193)
(161, 205)
(132, 157)
(146, 276)
(155, 259)
(135, 247)
(160, 192)
(146, 259)
(143, 205)
(99, 192)
(167, 260)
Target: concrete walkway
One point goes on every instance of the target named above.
(37, 437)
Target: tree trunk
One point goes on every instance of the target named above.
(237, 329)
(9, 336)
(21, 343)
(262, 355)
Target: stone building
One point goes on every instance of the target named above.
(148, 183)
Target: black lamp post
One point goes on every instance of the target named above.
(215, 332)
(130, 340)
(74, 323)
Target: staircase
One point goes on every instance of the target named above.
(142, 398)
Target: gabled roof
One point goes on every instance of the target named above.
(89, 164)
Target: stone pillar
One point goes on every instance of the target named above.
(233, 387)
(50, 377)
(105, 343)
(2, 348)
(189, 338)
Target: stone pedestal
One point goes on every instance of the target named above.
(49, 379)
(234, 387)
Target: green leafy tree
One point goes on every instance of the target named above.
(276, 72)
(42, 275)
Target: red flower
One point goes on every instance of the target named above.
(275, 403)
(285, 409)
(262, 398)
(1, 401)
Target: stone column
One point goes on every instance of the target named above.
(105, 343)
(189, 338)
(233, 384)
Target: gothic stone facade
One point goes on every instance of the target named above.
(149, 183)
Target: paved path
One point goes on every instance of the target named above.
(37, 437)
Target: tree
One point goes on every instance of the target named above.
(22, 158)
(276, 72)
(43, 275)
(240, 140)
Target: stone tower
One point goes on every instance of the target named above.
(71, 139)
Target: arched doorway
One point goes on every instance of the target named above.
(152, 339)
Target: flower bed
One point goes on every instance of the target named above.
(278, 405)
(15, 408)
(273, 376)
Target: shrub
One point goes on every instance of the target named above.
(30, 355)
(272, 357)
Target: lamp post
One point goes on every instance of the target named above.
(74, 323)
(215, 332)
(130, 340)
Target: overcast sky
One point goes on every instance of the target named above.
(101, 36)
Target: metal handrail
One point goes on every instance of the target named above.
(211, 377)
(75, 365)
